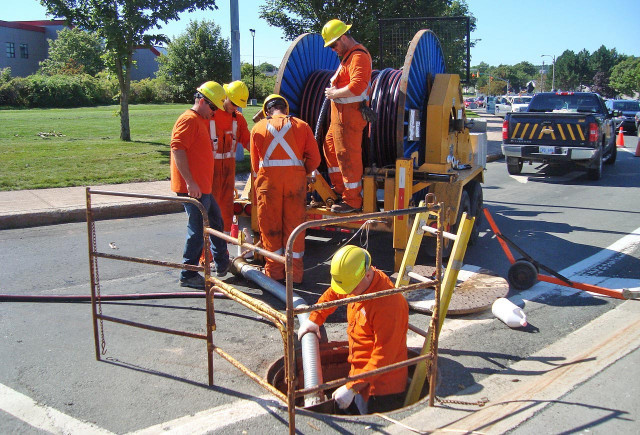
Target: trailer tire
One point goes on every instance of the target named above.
(514, 165)
(476, 200)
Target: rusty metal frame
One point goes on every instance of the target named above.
(284, 322)
(292, 392)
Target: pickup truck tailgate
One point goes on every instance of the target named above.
(566, 129)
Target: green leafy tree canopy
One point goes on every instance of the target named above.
(198, 55)
(74, 51)
(296, 17)
(625, 76)
(123, 24)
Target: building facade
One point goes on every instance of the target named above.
(24, 46)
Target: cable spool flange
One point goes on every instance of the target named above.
(423, 61)
(305, 55)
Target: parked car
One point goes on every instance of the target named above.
(559, 128)
(470, 103)
(638, 122)
(491, 104)
(626, 115)
(520, 103)
(512, 103)
(503, 105)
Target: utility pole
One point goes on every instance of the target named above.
(253, 62)
(235, 40)
(553, 73)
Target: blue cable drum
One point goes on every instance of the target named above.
(305, 55)
(423, 61)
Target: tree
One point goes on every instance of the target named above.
(196, 56)
(567, 76)
(295, 17)
(603, 60)
(625, 76)
(601, 85)
(123, 25)
(74, 51)
(264, 84)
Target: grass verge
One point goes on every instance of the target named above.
(42, 148)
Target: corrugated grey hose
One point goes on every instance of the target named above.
(311, 364)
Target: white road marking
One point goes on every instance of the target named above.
(51, 420)
(41, 416)
(216, 418)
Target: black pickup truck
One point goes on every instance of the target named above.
(561, 127)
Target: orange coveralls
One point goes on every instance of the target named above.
(377, 332)
(283, 152)
(227, 130)
(343, 143)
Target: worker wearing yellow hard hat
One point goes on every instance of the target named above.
(283, 152)
(192, 175)
(228, 129)
(348, 92)
(377, 330)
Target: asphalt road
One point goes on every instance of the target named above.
(154, 382)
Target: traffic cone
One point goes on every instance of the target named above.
(638, 146)
(620, 139)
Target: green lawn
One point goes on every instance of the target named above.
(42, 148)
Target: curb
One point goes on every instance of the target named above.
(62, 216)
(104, 212)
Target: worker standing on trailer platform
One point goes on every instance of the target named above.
(192, 175)
(228, 129)
(283, 152)
(377, 331)
(348, 94)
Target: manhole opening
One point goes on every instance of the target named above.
(334, 366)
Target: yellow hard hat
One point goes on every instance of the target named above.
(273, 97)
(238, 93)
(348, 268)
(333, 30)
(213, 92)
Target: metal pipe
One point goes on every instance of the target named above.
(87, 298)
(311, 365)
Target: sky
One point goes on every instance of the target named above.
(508, 31)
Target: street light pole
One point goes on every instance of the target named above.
(253, 62)
(553, 70)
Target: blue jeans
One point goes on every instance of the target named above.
(195, 241)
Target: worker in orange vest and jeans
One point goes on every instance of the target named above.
(348, 91)
(377, 330)
(228, 129)
(283, 153)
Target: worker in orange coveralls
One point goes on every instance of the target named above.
(228, 129)
(348, 92)
(377, 330)
(283, 152)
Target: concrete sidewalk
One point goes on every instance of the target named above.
(29, 208)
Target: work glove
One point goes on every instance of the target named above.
(343, 397)
(308, 326)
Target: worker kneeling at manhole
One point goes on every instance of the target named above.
(377, 332)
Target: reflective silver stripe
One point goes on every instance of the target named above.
(228, 155)
(362, 97)
(213, 134)
(278, 139)
(333, 169)
(353, 185)
(278, 251)
(288, 162)
(298, 254)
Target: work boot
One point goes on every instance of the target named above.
(343, 207)
(196, 282)
(222, 271)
